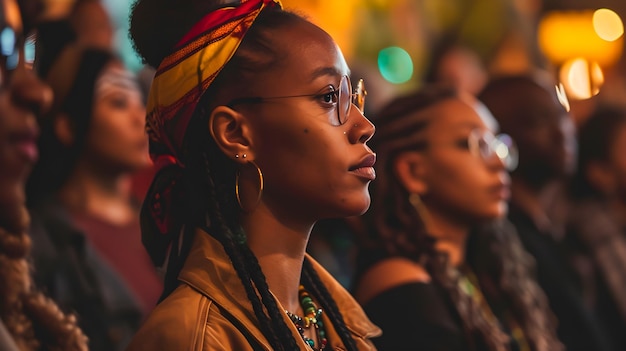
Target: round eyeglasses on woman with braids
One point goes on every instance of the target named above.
(485, 145)
(333, 96)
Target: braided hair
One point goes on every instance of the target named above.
(397, 228)
(34, 321)
(208, 180)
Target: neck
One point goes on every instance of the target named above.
(280, 246)
(100, 194)
(450, 236)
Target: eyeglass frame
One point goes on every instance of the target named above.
(493, 141)
(357, 98)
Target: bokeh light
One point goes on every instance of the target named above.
(395, 65)
(582, 79)
(607, 24)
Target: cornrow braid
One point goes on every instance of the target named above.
(312, 282)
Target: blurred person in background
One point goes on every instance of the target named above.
(438, 268)
(87, 242)
(527, 108)
(456, 64)
(29, 321)
(597, 220)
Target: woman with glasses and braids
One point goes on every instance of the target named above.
(438, 270)
(257, 134)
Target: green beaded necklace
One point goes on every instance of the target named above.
(312, 316)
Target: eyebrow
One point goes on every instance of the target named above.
(464, 125)
(326, 71)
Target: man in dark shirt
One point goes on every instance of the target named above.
(528, 109)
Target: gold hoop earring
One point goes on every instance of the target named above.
(261, 184)
(422, 211)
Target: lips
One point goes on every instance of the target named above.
(501, 191)
(25, 143)
(365, 168)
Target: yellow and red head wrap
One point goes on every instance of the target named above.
(179, 82)
(183, 76)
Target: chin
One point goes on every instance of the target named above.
(359, 208)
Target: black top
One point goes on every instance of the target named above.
(415, 316)
(577, 328)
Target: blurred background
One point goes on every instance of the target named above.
(393, 43)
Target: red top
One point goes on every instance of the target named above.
(121, 248)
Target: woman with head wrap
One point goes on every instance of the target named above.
(258, 134)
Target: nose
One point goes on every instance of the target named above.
(29, 92)
(361, 129)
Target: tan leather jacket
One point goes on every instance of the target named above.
(193, 317)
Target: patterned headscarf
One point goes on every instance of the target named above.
(179, 82)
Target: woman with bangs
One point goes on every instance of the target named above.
(438, 268)
(87, 241)
(257, 133)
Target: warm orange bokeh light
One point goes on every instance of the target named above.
(581, 79)
(567, 35)
(607, 24)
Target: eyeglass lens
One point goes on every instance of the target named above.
(485, 145)
(357, 98)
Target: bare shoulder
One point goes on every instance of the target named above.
(388, 274)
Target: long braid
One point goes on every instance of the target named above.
(508, 267)
(222, 231)
(276, 315)
(314, 284)
(34, 321)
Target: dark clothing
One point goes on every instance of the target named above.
(72, 272)
(421, 316)
(577, 327)
(416, 316)
(597, 248)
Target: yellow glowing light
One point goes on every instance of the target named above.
(340, 23)
(607, 24)
(582, 79)
(566, 35)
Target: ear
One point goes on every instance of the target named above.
(63, 129)
(601, 177)
(410, 169)
(231, 132)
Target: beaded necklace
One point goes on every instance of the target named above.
(312, 316)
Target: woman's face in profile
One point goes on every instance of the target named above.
(312, 166)
(117, 134)
(458, 179)
(22, 98)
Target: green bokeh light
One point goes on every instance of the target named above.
(395, 64)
